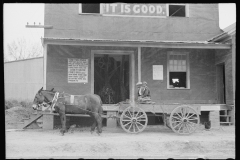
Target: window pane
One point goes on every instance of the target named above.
(175, 62)
(90, 7)
(179, 78)
(184, 62)
(177, 11)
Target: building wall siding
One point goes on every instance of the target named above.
(225, 56)
(202, 24)
(57, 66)
(22, 79)
(202, 73)
(202, 76)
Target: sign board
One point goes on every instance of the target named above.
(77, 70)
(157, 72)
(135, 9)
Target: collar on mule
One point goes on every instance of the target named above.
(53, 102)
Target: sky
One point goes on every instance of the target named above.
(17, 15)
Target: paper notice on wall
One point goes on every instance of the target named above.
(77, 70)
(157, 72)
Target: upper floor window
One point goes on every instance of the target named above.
(178, 70)
(177, 10)
(89, 8)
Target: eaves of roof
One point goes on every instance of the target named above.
(137, 43)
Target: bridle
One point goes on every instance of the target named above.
(51, 103)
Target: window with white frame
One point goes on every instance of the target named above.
(178, 70)
(177, 10)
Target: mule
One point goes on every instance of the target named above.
(90, 104)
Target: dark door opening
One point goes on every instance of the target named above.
(221, 84)
(111, 77)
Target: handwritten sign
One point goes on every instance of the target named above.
(157, 72)
(77, 70)
(134, 9)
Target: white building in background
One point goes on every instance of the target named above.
(23, 78)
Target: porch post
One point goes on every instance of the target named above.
(139, 64)
(233, 73)
(44, 66)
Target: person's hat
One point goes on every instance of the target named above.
(139, 83)
(144, 82)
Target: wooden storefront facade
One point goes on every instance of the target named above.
(108, 54)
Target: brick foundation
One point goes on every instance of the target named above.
(215, 119)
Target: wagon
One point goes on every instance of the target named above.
(181, 118)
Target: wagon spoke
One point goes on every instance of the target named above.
(187, 114)
(127, 116)
(130, 114)
(176, 117)
(177, 125)
(134, 127)
(189, 125)
(140, 124)
(195, 118)
(190, 116)
(138, 127)
(137, 113)
(133, 111)
(177, 121)
(194, 124)
(127, 124)
(140, 116)
(130, 127)
(182, 111)
(125, 120)
(179, 115)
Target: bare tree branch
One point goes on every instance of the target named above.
(21, 49)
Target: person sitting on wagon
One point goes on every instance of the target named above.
(144, 93)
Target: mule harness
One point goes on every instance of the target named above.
(55, 99)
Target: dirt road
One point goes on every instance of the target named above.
(153, 142)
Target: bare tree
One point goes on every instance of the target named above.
(20, 49)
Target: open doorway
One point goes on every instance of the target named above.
(111, 77)
(221, 93)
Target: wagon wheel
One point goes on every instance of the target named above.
(133, 120)
(184, 120)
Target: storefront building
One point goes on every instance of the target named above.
(106, 49)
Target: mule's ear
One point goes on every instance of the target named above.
(52, 89)
(40, 90)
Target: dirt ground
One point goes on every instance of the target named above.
(154, 142)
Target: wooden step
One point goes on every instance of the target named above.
(32, 120)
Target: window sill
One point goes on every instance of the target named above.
(90, 14)
(177, 88)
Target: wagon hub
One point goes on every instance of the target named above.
(134, 120)
(185, 120)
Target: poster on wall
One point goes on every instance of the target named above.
(77, 70)
(157, 72)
